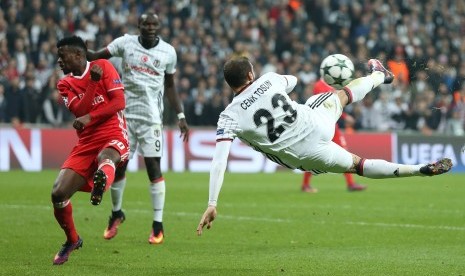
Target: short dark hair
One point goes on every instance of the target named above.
(235, 71)
(73, 41)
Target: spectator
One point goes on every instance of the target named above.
(31, 101)
(368, 114)
(14, 103)
(398, 65)
(2, 104)
(286, 36)
(54, 112)
(383, 109)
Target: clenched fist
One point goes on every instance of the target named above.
(96, 72)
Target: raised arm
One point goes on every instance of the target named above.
(109, 78)
(80, 107)
(100, 54)
(219, 162)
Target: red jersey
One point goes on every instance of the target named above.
(72, 88)
(321, 87)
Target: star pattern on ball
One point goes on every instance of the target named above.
(341, 63)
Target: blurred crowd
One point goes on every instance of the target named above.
(422, 42)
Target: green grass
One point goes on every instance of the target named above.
(265, 226)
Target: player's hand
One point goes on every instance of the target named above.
(184, 129)
(96, 72)
(81, 122)
(207, 219)
(349, 120)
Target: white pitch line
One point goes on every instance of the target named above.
(397, 225)
(273, 220)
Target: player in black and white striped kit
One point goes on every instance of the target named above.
(297, 136)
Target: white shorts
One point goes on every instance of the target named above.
(316, 152)
(147, 139)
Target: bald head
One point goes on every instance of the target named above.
(149, 25)
(148, 15)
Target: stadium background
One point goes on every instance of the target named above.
(423, 42)
(266, 226)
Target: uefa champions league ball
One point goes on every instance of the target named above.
(337, 70)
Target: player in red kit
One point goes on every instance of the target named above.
(94, 93)
(321, 87)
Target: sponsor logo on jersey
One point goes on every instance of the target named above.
(220, 131)
(144, 70)
(117, 81)
(98, 99)
(157, 133)
(156, 63)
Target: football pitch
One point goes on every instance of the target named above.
(265, 226)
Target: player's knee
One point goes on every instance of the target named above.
(359, 166)
(59, 194)
(120, 171)
(109, 153)
(120, 174)
(153, 167)
(154, 175)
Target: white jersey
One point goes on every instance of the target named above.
(264, 117)
(144, 75)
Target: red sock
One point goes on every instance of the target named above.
(306, 179)
(64, 217)
(349, 179)
(108, 168)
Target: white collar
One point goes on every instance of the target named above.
(84, 73)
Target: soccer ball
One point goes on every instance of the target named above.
(337, 70)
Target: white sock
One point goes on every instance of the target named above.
(157, 192)
(377, 168)
(117, 190)
(361, 86)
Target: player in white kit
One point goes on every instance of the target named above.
(149, 64)
(297, 136)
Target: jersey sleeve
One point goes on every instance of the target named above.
(111, 79)
(287, 81)
(227, 128)
(116, 47)
(291, 82)
(65, 92)
(321, 87)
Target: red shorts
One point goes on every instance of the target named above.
(339, 138)
(83, 158)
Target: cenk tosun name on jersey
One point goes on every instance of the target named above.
(256, 94)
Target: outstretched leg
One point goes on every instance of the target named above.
(357, 89)
(377, 168)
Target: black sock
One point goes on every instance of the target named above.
(117, 214)
(157, 226)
